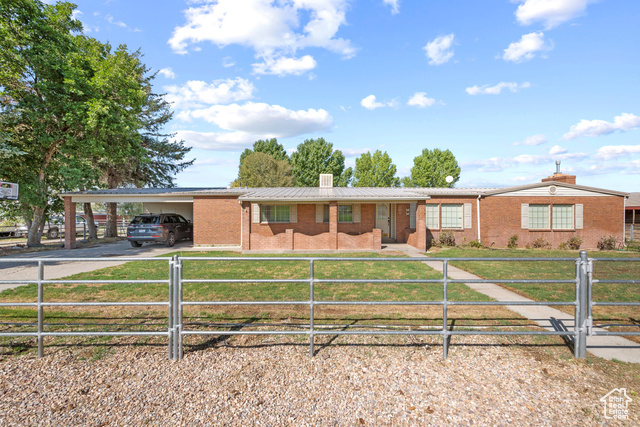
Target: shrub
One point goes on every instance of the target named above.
(607, 243)
(513, 242)
(475, 244)
(447, 238)
(574, 243)
(539, 243)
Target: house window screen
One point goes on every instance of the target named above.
(275, 213)
(538, 216)
(345, 213)
(563, 217)
(432, 216)
(451, 216)
(325, 213)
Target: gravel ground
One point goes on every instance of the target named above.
(272, 381)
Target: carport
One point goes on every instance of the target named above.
(154, 200)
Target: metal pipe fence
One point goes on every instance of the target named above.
(582, 280)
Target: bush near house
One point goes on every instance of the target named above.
(607, 243)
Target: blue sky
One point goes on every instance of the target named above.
(508, 86)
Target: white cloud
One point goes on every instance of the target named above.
(353, 152)
(395, 6)
(538, 139)
(439, 51)
(264, 120)
(168, 73)
(228, 62)
(526, 48)
(271, 28)
(498, 164)
(419, 99)
(556, 149)
(613, 151)
(197, 94)
(111, 20)
(216, 141)
(551, 12)
(283, 66)
(623, 122)
(370, 103)
(497, 89)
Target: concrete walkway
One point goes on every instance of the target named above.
(607, 347)
(28, 270)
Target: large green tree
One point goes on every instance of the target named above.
(45, 86)
(317, 156)
(375, 170)
(431, 169)
(262, 170)
(74, 111)
(267, 146)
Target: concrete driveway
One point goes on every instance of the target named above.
(28, 270)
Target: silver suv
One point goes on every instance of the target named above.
(167, 228)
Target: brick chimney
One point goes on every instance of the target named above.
(561, 177)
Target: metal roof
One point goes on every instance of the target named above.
(634, 200)
(351, 193)
(317, 194)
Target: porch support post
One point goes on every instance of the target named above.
(69, 223)
(421, 226)
(246, 226)
(333, 225)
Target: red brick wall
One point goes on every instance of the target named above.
(501, 218)
(307, 234)
(462, 235)
(216, 220)
(403, 223)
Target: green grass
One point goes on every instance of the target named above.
(289, 269)
(558, 270)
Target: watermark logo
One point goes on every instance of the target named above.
(616, 404)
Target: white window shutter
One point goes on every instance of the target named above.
(579, 217)
(255, 213)
(319, 213)
(467, 215)
(356, 213)
(524, 215)
(412, 215)
(293, 214)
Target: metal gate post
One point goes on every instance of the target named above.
(445, 322)
(179, 307)
(171, 307)
(311, 306)
(580, 344)
(40, 313)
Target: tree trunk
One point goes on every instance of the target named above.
(35, 227)
(111, 227)
(91, 223)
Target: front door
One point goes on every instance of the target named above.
(383, 220)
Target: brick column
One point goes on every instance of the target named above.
(333, 225)
(69, 223)
(246, 226)
(421, 226)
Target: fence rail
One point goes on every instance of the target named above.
(176, 331)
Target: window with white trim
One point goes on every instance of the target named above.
(275, 213)
(562, 217)
(539, 217)
(345, 213)
(451, 216)
(325, 213)
(433, 217)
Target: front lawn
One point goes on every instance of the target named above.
(559, 270)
